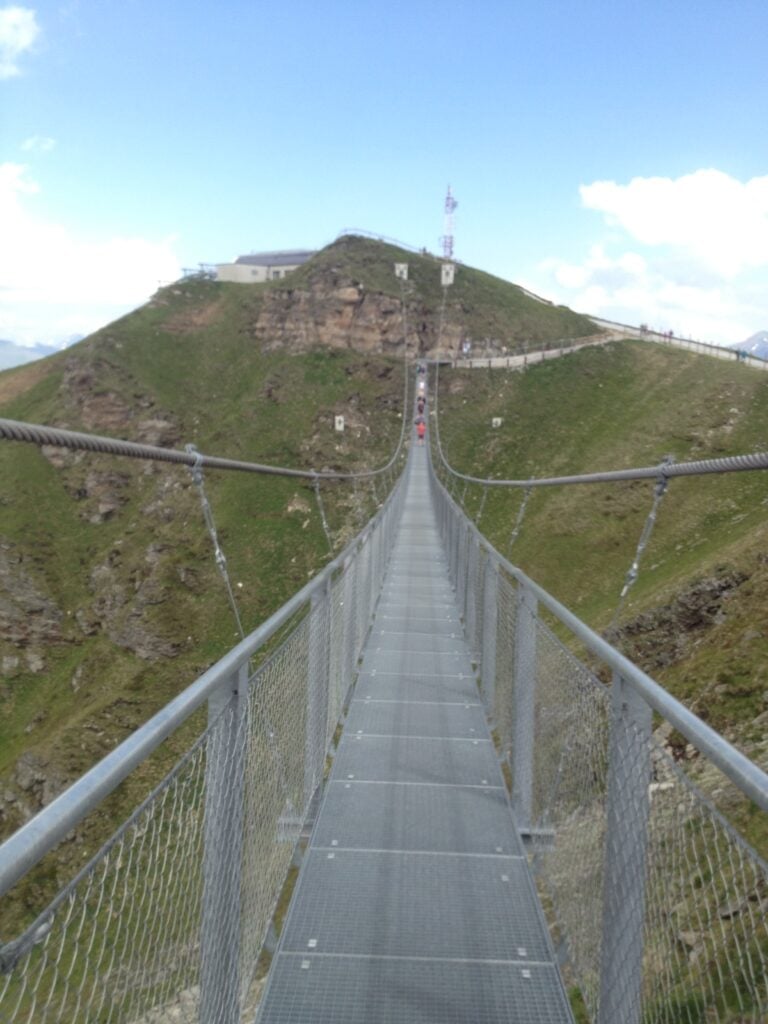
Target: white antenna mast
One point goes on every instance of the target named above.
(447, 239)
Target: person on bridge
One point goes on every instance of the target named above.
(421, 429)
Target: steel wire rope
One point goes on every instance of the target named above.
(727, 464)
(34, 433)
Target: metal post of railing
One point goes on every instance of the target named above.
(222, 855)
(358, 608)
(318, 679)
(377, 549)
(471, 614)
(348, 629)
(456, 549)
(626, 835)
(490, 620)
(370, 581)
(452, 527)
(524, 690)
(466, 568)
(461, 568)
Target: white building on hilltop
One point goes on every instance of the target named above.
(262, 266)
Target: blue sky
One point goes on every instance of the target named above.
(608, 155)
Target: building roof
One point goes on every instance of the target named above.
(283, 258)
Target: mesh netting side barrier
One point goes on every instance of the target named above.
(658, 905)
(166, 923)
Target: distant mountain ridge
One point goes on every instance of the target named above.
(756, 345)
(12, 354)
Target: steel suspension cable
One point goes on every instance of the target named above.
(728, 464)
(33, 433)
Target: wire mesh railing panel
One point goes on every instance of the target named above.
(503, 708)
(122, 939)
(659, 906)
(663, 858)
(568, 802)
(337, 691)
(280, 748)
(706, 930)
(166, 923)
(474, 599)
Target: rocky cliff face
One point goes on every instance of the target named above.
(345, 315)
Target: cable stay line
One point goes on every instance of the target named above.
(34, 433)
(666, 470)
(16, 430)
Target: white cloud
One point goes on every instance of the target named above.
(54, 283)
(717, 220)
(38, 144)
(18, 32)
(682, 254)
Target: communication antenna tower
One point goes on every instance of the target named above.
(447, 239)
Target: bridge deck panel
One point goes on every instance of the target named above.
(439, 906)
(392, 816)
(399, 718)
(450, 663)
(435, 689)
(416, 759)
(432, 622)
(346, 990)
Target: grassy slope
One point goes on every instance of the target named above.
(186, 358)
(629, 404)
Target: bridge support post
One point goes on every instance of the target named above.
(318, 680)
(455, 536)
(490, 621)
(626, 837)
(461, 569)
(348, 630)
(371, 579)
(222, 854)
(523, 736)
(470, 601)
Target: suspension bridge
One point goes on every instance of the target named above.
(472, 825)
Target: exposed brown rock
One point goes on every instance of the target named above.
(663, 636)
(27, 615)
(122, 611)
(344, 315)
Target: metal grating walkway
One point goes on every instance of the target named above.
(414, 902)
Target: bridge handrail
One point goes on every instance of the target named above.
(745, 774)
(652, 888)
(32, 841)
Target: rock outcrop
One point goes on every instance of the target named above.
(349, 316)
(27, 615)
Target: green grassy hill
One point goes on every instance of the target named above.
(110, 600)
(696, 617)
